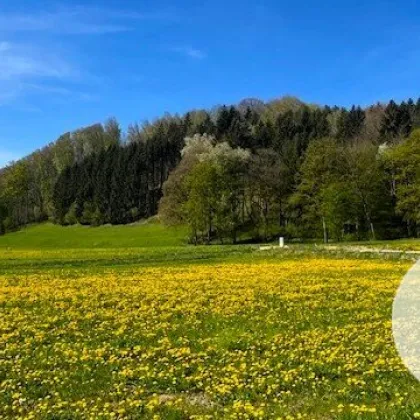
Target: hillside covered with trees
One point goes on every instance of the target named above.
(283, 167)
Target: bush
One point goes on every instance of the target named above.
(71, 217)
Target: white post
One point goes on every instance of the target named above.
(281, 242)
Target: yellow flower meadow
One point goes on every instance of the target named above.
(289, 338)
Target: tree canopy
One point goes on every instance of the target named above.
(281, 167)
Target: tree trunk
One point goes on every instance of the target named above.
(281, 219)
(369, 219)
(324, 227)
(372, 229)
(408, 229)
(210, 230)
(27, 208)
(265, 221)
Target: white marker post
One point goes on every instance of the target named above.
(281, 242)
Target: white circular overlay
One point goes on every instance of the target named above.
(406, 320)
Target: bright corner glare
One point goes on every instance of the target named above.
(406, 320)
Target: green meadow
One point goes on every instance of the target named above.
(130, 322)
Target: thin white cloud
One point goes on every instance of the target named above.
(59, 91)
(8, 93)
(77, 20)
(4, 46)
(190, 52)
(18, 61)
(35, 67)
(28, 70)
(59, 23)
(107, 13)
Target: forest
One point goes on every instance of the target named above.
(250, 171)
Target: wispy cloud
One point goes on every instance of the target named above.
(190, 52)
(18, 61)
(34, 63)
(77, 20)
(4, 46)
(59, 91)
(25, 69)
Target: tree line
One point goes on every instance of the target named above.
(254, 170)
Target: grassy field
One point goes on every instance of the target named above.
(398, 244)
(95, 328)
(47, 235)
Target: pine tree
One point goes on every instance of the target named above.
(224, 122)
(397, 122)
(416, 115)
(405, 120)
(206, 127)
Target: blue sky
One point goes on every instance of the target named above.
(69, 64)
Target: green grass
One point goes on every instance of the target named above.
(130, 322)
(52, 236)
(151, 234)
(397, 244)
(87, 333)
